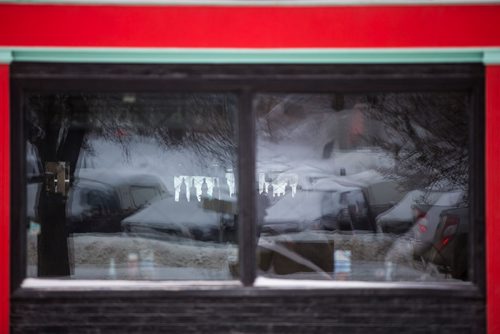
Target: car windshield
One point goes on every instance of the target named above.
(143, 195)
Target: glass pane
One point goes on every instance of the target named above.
(366, 187)
(131, 186)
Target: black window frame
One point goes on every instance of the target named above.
(246, 81)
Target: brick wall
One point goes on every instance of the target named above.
(283, 312)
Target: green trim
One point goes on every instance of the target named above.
(491, 57)
(252, 56)
(5, 56)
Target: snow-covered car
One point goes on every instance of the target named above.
(400, 218)
(325, 204)
(100, 199)
(188, 220)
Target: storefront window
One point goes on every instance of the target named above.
(286, 172)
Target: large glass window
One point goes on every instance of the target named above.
(359, 173)
(131, 185)
(369, 187)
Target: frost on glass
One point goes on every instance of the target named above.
(131, 186)
(363, 187)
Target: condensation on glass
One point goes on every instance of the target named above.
(131, 186)
(369, 187)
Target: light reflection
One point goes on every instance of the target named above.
(377, 183)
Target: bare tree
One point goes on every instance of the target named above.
(426, 133)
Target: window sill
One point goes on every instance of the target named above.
(46, 288)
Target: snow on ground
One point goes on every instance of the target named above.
(371, 253)
(374, 257)
(97, 251)
(304, 207)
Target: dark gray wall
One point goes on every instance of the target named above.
(363, 311)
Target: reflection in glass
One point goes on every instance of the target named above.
(363, 187)
(131, 186)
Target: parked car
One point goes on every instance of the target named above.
(324, 204)
(450, 249)
(346, 210)
(167, 219)
(380, 192)
(438, 234)
(100, 199)
(401, 217)
(427, 219)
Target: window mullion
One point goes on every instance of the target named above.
(247, 190)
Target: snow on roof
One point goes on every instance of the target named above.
(449, 198)
(330, 184)
(304, 207)
(167, 212)
(298, 158)
(366, 177)
(402, 211)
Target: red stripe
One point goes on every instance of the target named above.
(4, 198)
(493, 197)
(249, 27)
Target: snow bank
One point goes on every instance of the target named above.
(99, 249)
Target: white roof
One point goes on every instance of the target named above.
(166, 212)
